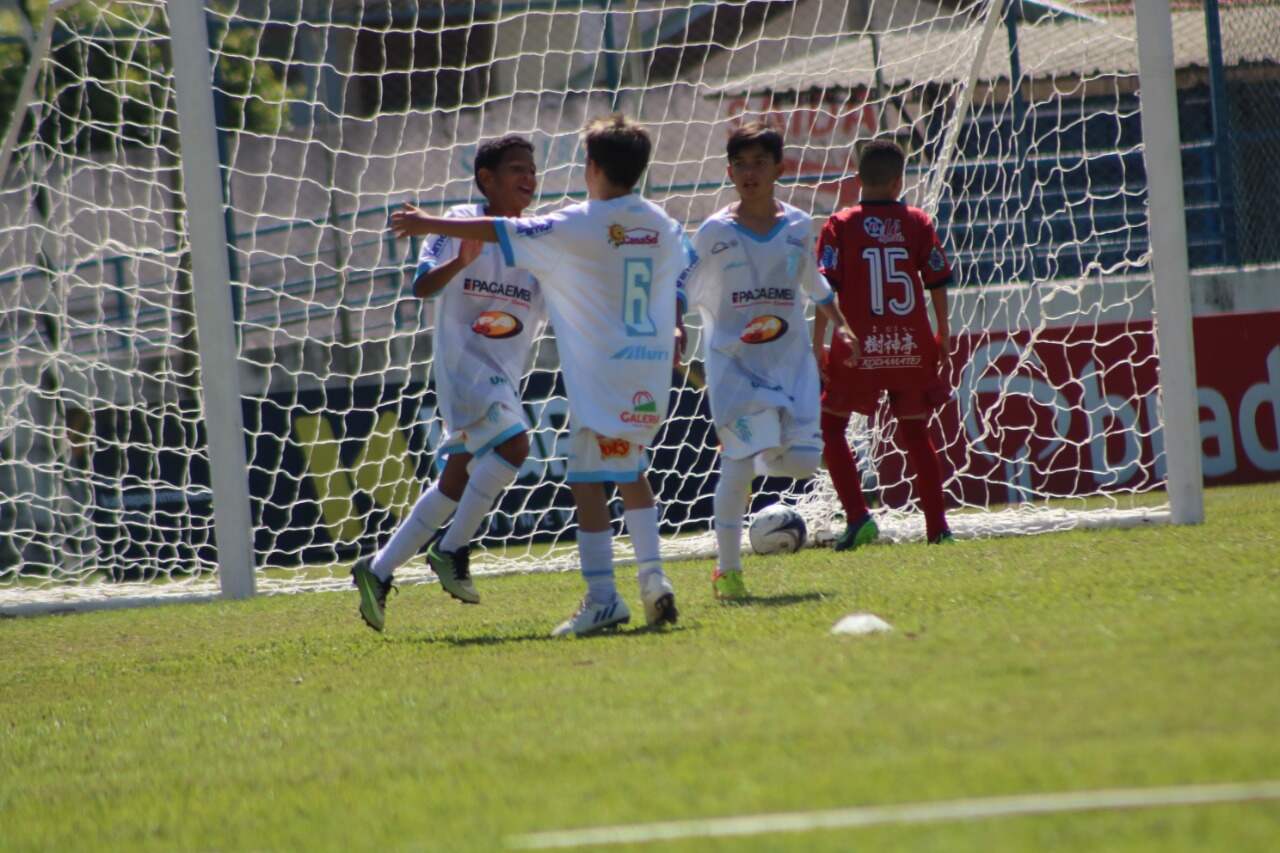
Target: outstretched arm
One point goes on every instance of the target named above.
(412, 221)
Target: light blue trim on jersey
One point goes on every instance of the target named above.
(782, 222)
(603, 476)
(509, 432)
(443, 454)
(504, 240)
(425, 266)
(831, 297)
(805, 447)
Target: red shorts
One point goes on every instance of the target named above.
(845, 393)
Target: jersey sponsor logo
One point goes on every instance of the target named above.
(766, 294)
(619, 236)
(613, 448)
(723, 246)
(936, 261)
(880, 362)
(765, 328)
(496, 288)
(643, 410)
(534, 227)
(497, 324)
(830, 257)
(640, 352)
(884, 230)
(899, 342)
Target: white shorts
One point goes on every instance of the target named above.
(500, 423)
(767, 429)
(594, 458)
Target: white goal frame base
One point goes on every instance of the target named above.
(896, 527)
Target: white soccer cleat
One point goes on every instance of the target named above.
(593, 618)
(659, 599)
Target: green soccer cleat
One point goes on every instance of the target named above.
(856, 535)
(373, 593)
(454, 570)
(729, 586)
(943, 538)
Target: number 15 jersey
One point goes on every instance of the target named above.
(879, 257)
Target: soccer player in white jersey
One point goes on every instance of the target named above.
(754, 265)
(487, 317)
(609, 268)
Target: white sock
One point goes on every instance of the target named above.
(730, 505)
(642, 525)
(595, 553)
(798, 463)
(430, 512)
(490, 477)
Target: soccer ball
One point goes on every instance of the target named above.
(778, 529)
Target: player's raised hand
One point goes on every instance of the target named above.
(409, 221)
(469, 250)
(851, 341)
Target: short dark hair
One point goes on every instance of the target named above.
(619, 146)
(489, 155)
(755, 133)
(880, 162)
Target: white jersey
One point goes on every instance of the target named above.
(756, 341)
(487, 319)
(609, 273)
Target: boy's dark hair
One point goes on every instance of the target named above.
(880, 162)
(755, 133)
(489, 155)
(619, 146)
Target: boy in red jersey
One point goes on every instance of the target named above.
(880, 256)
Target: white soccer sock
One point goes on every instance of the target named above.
(595, 553)
(490, 476)
(730, 505)
(798, 463)
(428, 514)
(642, 525)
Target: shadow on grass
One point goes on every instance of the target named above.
(777, 600)
(541, 637)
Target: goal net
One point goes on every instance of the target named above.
(1022, 124)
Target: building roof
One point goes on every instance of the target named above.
(1088, 47)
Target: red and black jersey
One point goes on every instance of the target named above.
(880, 256)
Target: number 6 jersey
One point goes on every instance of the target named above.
(608, 271)
(879, 257)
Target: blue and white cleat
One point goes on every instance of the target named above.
(593, 618)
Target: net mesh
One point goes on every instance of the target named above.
(330, 115)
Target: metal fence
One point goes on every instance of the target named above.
(1239, 86)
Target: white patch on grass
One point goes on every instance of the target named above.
(861, 623)
(905, 813)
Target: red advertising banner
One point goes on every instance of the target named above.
(1076, 412)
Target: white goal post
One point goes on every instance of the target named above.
(215, 379)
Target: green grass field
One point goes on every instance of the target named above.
(1064, 662)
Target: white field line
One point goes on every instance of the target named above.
(905, 813)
